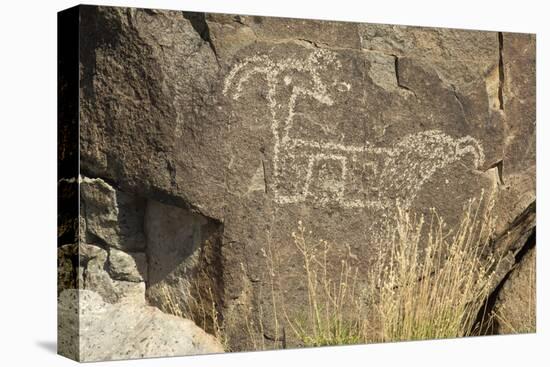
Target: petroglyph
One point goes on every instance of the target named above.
(331, 172)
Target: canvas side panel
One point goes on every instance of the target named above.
(67, 185)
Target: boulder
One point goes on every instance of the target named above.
(127, 266)
(125, 330)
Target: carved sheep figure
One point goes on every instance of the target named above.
(329, 172)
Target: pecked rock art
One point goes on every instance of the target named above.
(330, 172)
(330, 124)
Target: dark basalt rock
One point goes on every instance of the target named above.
(251, 124)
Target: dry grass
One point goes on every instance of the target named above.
(169, 301)
(434, 288)
(201, 309)
(333, 314)
(195, 299)
(431, 283)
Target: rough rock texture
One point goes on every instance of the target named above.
(110, 256)
(175, 237)
(515, 305)
(246, 125)
(125, 242)
(112, 217)
(99, 275)
(152, 69)
(128, 266)
(126, 330)
(67, 266)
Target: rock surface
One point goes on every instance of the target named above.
(67, 266)
(110, 258)
(127, 266)
(98, 274)
(126, 330)
(246, 125)
(515, 306)
(112, 217)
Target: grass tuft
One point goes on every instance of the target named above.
(434, 285)
(429, 281)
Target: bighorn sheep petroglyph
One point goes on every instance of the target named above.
(330, 172)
